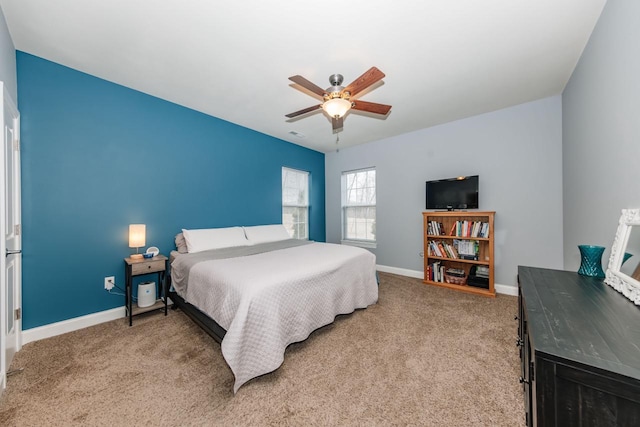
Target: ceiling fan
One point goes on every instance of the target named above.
(337, 100)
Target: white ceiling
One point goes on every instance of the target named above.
(444, 60)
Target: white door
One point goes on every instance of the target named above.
(11, 242)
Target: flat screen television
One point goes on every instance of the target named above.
(453, 193)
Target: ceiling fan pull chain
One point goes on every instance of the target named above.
(337, 140)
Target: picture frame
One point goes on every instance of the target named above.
(627, 285)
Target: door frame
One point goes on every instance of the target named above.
(9, 104)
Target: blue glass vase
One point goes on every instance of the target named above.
(591, 263)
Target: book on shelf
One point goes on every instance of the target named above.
(464, 228)
(485, 229)
(435, 228)
(451, 250)
(476, 229)
(442, 249)
(467, 249)
(434, 249)
(436, 272)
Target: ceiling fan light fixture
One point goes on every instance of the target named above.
(337, 99)
(336, 107)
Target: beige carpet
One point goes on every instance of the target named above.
(421, 356)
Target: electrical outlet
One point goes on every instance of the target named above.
(109, 282)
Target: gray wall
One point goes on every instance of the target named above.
(7, 60)
(601, 132)
(516, 151)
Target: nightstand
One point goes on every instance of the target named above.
(139, 267)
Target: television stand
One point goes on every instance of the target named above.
(458, 251)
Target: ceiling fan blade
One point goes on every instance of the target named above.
(337, 124)
(370, 77)
(301, 112)
(371, 107)
(307, 85)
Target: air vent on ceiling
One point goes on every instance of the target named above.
(296, 134)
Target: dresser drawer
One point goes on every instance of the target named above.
(147, 267)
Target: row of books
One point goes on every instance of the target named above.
(442, 249)
(458, 249)
(435, 272)
(435, 228)
(459, 228)
(470, 229)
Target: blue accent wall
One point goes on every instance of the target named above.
(97, 156)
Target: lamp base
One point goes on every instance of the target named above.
(135, 256)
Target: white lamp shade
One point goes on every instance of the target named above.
(137, 235)
(336, 107)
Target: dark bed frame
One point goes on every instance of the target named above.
(209, 325)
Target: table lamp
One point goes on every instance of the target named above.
(137, 234)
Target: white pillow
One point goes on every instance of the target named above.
(266, 233)
(214, 238)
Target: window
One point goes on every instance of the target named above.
(295, 202)
(359, 207)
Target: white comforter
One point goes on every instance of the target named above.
(270, 300)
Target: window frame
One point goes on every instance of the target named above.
(306, 206)
(365, 243)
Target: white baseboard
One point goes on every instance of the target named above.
(506, 289)
(401, 271)
(501, 289)
(58, 328)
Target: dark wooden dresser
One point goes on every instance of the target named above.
(580, 348)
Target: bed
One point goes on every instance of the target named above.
(259, 296)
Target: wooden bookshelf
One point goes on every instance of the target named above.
(457, 237)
